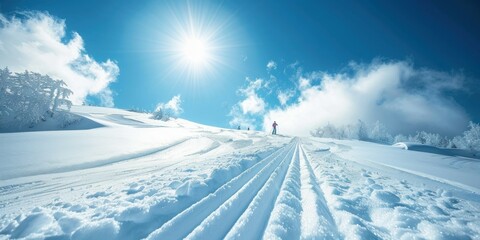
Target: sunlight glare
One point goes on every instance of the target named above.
(195, 51)
(195, 41)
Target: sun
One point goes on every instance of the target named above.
(195, 51)
(196, 41)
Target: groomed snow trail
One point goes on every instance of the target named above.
(240, 185)
(279, 197)
(237, 189)
(317, 222)
(131, 177)
(305, 190)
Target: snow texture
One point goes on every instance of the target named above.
(117, 174)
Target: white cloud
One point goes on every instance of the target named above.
(106, 97)
(240, 119)
(404, 98)
(245, 111)
(253, 86)
(303, 83)
(38, 42)
(174, 105)
(284, 96)
(271, 65)
(252, 103)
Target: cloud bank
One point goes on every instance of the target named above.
(244, 111)
(406, 99)
(38, 42)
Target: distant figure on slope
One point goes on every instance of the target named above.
(238, 127)
(274, 125)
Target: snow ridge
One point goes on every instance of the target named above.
(317, 221)
(279, 197)
(182, 224)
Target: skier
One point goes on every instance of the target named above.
(274, 125)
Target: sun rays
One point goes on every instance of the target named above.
(196, 43)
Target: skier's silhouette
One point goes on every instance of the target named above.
(274, 125)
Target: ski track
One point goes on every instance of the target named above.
(205, 215)
(317, 221)
(298, 194)
(278, 198)
(302, 190)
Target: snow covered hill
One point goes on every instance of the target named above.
(118, 174)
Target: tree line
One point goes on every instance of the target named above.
(377, 132)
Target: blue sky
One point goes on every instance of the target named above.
(427, 50)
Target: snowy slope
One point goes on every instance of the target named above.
(120, 175)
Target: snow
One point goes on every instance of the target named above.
(431, 149)
(437, 165)
(117, 174)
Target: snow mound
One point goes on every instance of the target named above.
(431, 149)
(103, 229)
(36, 224)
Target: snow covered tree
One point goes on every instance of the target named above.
(471, 137)
(27, 98)
(60, 93)
(458, 142)
(379, 133)
(327, 131)
(400, 138)
(421, 137)
(433, 139)
(5, 108)
(362, 130)
(171, 109)
(159, 115)
(351, 131)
